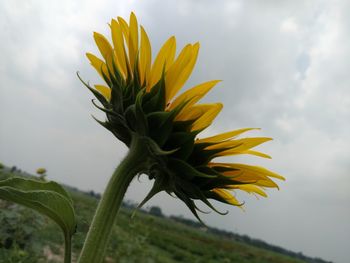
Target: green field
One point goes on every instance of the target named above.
(26, 236)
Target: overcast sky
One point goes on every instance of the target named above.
(285, 68)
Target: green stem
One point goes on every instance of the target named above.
(67, 249)
(101, 227)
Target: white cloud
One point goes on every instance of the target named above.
(289, 26)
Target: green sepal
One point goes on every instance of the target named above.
(128, 95)
(111, 112)
(113, 78)
(122, 132)
(155, 99)
(137, 83)
(194, 192)
(208, 170)
(157, 187)
(106, 79)
(117, 99)
(118, 129)
(118, 80)
(220, 181)
(135, 121)
(103, 123)
(221, 169)
(183, 126)
(161, 124)
(190, 204)
(155, 150)
(140, 115)
(203, 155)
(132, 89)
(130, 116)
(98, 95)
(184, 141)
(199, 156)
(183, 169)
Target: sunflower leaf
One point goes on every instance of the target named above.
(48, 198)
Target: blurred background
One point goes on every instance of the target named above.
(285, 68)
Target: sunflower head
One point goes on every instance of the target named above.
(140, 98)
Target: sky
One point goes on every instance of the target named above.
(285, 68)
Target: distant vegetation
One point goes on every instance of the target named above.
(26, 236)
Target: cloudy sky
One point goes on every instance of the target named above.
(285, 68)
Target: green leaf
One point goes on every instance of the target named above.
(48, 198)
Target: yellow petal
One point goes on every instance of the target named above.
(249, 168)
(243, 174)
(256, 153)
(145, 57)
(207, 118)
(239, 144)
(103, 45)
(193, 95)
(180, 71)
(178, 66)
(258, 169)
(226, 195)
(249, 188)
(105, 91)
(193, 113)
(118, 42)
(125, 29)
(165, 57)
(99, 65)
(133, 40)
(224, 136)
(235, 152)
(254, 179)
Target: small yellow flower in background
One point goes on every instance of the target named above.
(140, 97)
(41, 171)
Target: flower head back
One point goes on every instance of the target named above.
(140, 97)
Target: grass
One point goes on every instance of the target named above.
(144, 238)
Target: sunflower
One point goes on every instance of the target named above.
(141, 100)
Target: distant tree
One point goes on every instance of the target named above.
(93, 194)
(13, 169)
(155, 210)
(1, 166)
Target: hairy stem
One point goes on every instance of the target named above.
(101, 227)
